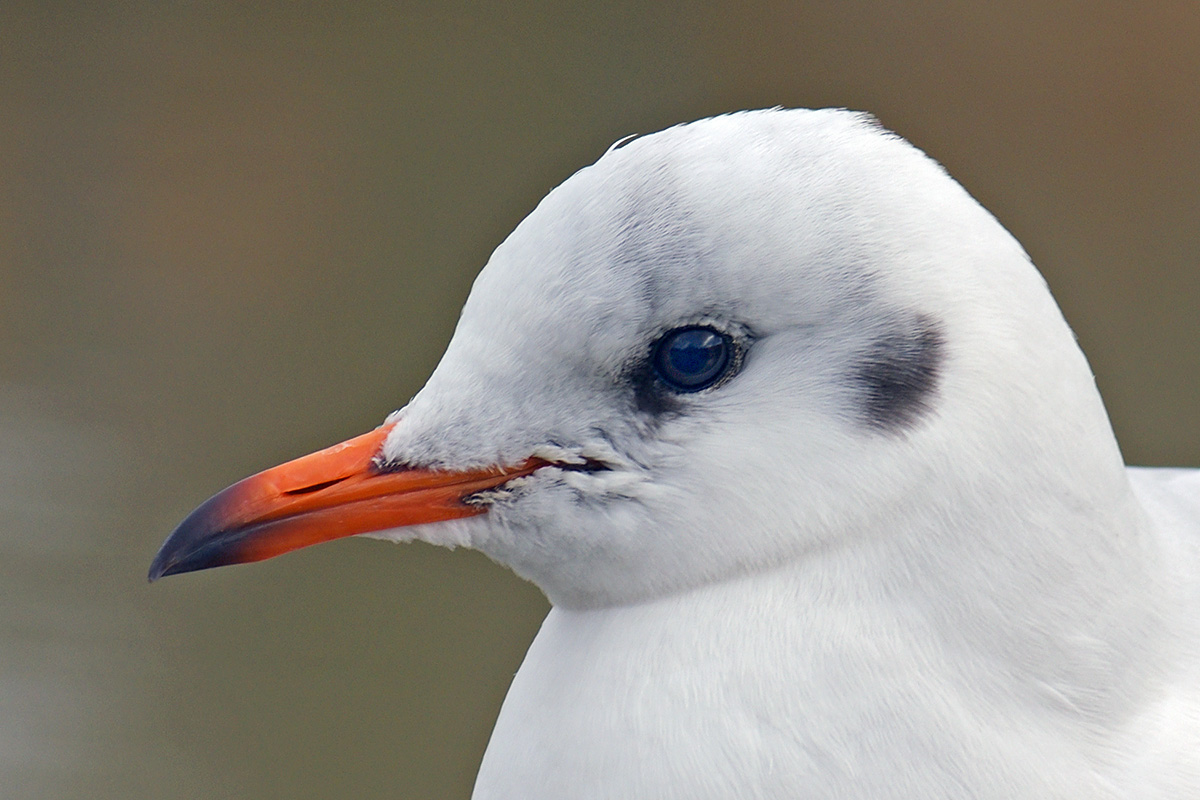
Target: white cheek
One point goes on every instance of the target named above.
(579, 543)
(610, 484)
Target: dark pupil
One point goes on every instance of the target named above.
(692, 358)
(695, 354)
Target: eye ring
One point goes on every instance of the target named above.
(693, 358)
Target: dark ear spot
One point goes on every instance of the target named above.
(897, 375)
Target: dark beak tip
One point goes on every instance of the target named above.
(164, 563)
(176, 556)
(157, 570)
(202, 540)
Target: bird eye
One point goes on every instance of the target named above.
(693, 358)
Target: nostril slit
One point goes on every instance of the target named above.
(316, 487)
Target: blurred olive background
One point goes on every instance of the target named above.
(232, 233)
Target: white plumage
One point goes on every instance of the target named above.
(780, 587)
(791, 433)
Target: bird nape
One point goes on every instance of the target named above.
(794, 438)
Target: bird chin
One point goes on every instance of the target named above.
(449, 534)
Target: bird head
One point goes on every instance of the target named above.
(718, 349)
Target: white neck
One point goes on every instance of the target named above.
(857, 671)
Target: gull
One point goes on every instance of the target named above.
(792, 435)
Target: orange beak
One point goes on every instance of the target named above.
(339, 491)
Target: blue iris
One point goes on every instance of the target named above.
(693, 358)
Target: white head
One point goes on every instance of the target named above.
(895, 363)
